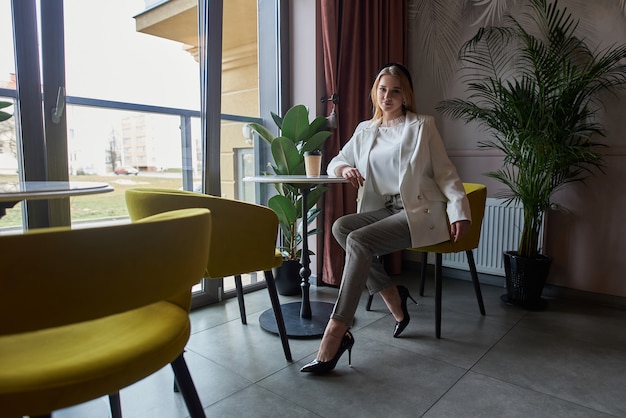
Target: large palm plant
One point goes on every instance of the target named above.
(538, 93)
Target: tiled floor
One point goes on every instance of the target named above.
(566, 361)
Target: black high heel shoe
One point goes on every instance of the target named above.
(322, 367)
(400, 326)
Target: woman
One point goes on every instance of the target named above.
(408, 192)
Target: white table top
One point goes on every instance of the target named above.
(33, 190)
(272, 178)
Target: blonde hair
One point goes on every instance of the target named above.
(408, 98)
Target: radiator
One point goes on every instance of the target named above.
(500, 232)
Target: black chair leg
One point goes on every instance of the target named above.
(438, 280)
(278, 313)
(474, 273)
(115, 405)
(242, 304)
(423, 272)
(187, 388)
(368, 306)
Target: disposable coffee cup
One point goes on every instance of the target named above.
(312, 163)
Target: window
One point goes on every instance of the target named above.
(133, 98)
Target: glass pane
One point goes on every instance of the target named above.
(125, 149)
(141, 147)
(119, 63)
(7, 63)
(240, 69)
(133, 108)
(12, 221)
(240, 96)
(157, 66)
(133, 99)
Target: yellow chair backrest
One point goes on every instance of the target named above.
(477, 196)
(54, 277)
(243, 237)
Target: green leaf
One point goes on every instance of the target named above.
(314, 196)
(318, 125)
(284, 209)
(4, 115)
(286, 156)
(295, 123)
(263, 132)
(311, 215)
(277, 120)
(316, 141)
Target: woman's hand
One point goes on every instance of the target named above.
(458, 229)
(353, 175)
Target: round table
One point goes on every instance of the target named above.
(300, 321)
(13, 192)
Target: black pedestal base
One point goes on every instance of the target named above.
(540, 305)
(298, 327)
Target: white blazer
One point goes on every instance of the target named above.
(430, 188)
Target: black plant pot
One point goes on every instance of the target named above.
(288, 278)
(525, 279)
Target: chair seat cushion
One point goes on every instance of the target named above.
(67, 365)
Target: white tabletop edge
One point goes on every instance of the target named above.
(271, 178)
(49, 190)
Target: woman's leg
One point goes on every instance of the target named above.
(391, 297)
(364, 236)
(336, 328)
(331, 340)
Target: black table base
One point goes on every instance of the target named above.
(298, 327)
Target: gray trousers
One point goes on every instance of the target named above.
(364, 236)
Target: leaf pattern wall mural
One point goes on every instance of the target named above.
(438, 27)
(493, 10)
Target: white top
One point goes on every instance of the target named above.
(384, 160)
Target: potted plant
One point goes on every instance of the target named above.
(297, 137)
(537, 91)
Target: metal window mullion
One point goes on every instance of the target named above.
(210, 15)
(32, 152)
(53, 67)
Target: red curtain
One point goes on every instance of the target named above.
(359, 36)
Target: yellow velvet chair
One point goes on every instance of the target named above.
(87, 312)
(477, 196)
(243, 239)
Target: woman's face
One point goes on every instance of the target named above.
(390, 96)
